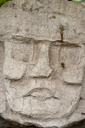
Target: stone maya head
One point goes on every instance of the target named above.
(42, 60)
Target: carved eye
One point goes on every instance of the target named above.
(69, 56)
(18, 51)
(22, 51)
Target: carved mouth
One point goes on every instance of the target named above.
(41, 94)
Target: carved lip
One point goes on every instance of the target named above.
(41, 94)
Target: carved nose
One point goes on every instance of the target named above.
(42, 69)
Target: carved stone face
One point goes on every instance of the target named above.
(44, 62)
(42, 78)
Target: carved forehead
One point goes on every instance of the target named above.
(42, 19)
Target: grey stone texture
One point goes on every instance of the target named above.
(42, 62)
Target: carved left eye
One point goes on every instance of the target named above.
(69, 56)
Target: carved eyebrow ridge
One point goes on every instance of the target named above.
(55, 43)
(21, 38)
(67, 44)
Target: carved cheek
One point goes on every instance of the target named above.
(71, 59)
(73, 75)
(13, 69)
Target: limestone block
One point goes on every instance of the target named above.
(42, 62)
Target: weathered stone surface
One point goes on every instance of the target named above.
(42, 62)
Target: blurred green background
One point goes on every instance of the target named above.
(79, 0)
(3, 1)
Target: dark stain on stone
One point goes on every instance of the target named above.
(63, 65)
(52, 17)
(83, 114)
(31, 9)
(61, 32)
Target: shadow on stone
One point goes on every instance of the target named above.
(8, 124)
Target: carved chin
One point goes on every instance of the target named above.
(41, 109)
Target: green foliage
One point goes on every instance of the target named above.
(79, 0)
(3, 1)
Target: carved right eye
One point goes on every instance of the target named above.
(18, 51)
(22, 51)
